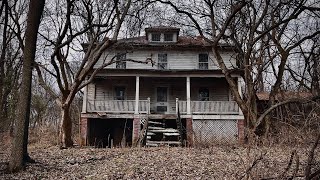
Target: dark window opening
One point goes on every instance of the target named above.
(121, 63)
(155, 37)
(110, 132)
(162, 94)
(204, 94)
(203, 61)
(162, 61)
(168, 37)
(120, 93)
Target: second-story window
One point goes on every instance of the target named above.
(162, 61)
(121, 63)
(119, 93)
(168, 37)
(155, 37)
(203, 94)
(203, 61)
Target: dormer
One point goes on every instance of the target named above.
(162, 34)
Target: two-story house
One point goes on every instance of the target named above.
(181, 93)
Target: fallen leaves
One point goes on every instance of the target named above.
(154, 163)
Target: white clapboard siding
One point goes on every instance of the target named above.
(176, 59)
(91, 91)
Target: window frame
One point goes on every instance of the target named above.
(120, 97)
(162, 62)
(203, 64)
(204, 90)
(166, 36)
(120, 64)
(153, 35)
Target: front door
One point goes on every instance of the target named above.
(162, 100)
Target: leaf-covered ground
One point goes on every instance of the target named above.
(227, 162)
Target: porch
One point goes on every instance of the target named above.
(160, 95)
(144, 107)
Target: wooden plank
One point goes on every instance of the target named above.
(164, 142)
(154, 122)
(156, 128)
(171, 134)
(164, 131)
(152, 144)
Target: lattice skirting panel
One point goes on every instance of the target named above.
(216, 131)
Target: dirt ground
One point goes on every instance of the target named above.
(226, 162)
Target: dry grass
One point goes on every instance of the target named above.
(223, 162)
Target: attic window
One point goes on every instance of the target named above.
(155, 37)
(168, 37)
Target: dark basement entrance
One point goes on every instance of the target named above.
(110, 132)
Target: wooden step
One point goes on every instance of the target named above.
(150, 134)
(155, 128)
(154, 122)
(164, 142)
(152, 144)
(169, 130)
(171, 134)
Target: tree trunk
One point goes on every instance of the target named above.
(65, 128)
(17, 152)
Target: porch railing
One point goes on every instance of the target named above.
(117, 106)
(210, 107)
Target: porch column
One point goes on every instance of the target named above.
(240, 92)
(136, 108)
(188, 96)
(84, 103)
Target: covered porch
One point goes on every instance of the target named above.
(192, 95)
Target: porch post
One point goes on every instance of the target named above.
(240, 92)
(188, 96)
(136, 107)
(84, 103)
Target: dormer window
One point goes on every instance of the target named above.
(168, 37)
(156, 37)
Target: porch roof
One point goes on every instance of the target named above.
(166, 72)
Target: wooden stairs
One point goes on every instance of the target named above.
(157, 132)
(160, 135)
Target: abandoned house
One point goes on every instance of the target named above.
(180, 97)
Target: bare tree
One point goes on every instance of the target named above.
(18, 154)
(97, 23)
(249, 27)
